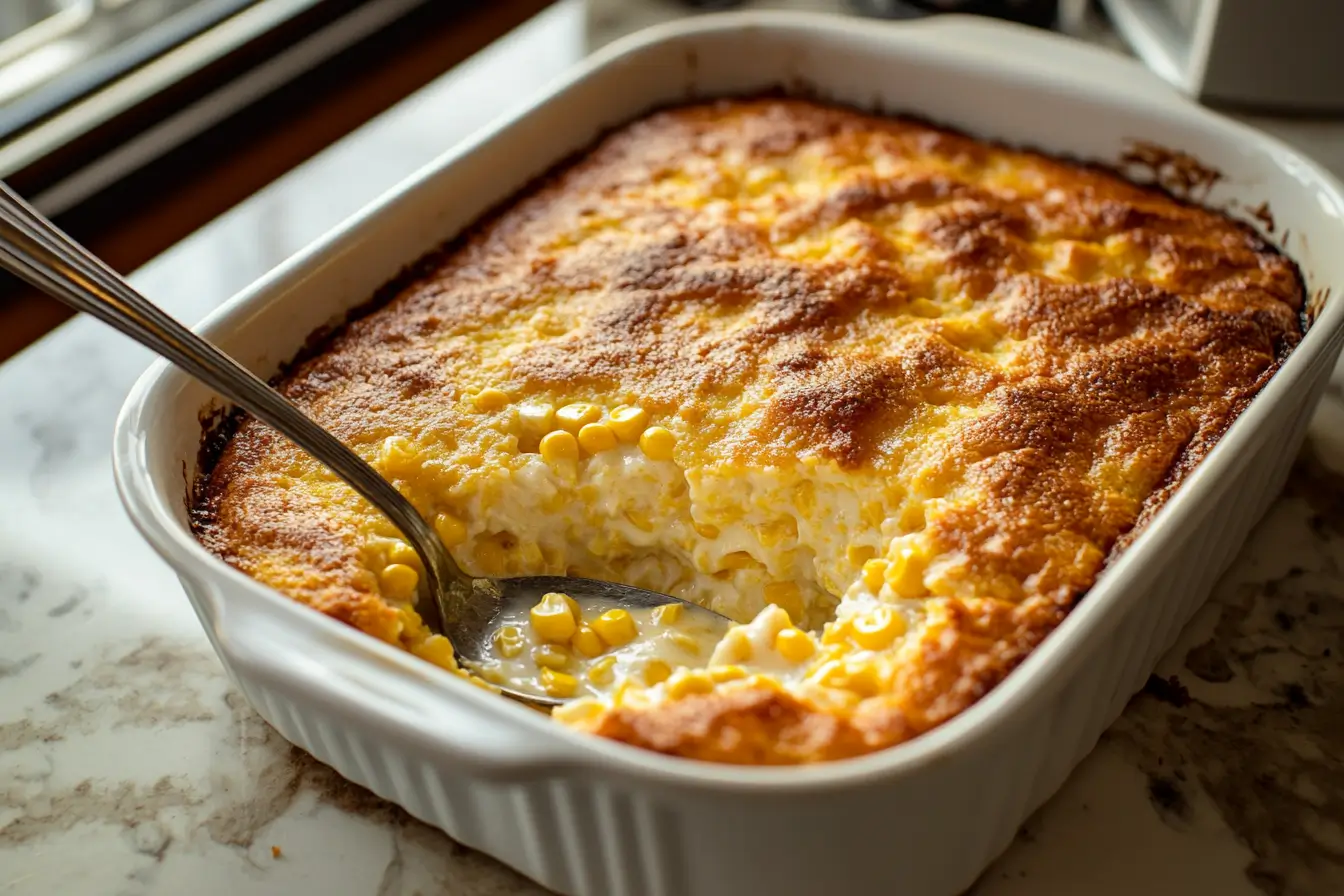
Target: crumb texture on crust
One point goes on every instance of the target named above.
(905, 371)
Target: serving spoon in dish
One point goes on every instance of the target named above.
(466, 609)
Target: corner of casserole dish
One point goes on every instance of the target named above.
(889, 396)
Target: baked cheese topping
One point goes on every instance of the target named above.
(888, 396)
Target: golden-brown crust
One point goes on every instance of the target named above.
(965, 650)
(842, 274)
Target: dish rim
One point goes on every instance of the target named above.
(1042, 672)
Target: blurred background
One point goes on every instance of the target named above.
(135, 122)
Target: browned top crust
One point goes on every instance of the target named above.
(1043, 347)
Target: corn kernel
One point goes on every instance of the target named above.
(639, 521)
(603, 672)
(587, 642)
(398, 456)
(667, 614)
(398, 581)
(508, 641)
(735, 646)
(657, 443)
(705, 530)
(553, 619)
(438, 650)
(874, 572)
(834, 632)
(559, 446)
(720, 674)
(862, 679)
(628, 422)
(795, 645)
(738, 560)
(536, 419)
(452, 531)
(577, 712)
(859, 554)
(401, 552)
(573, 607)
(685, 642)
(787, 596)
(616, 627)
(905, 573)
(877, 629)
(596, 438)
(656, 671)
(683, 684)
(490, 399)
(574, 417)
(551, 656)
(558, 684)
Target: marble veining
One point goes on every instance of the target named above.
(129, 765)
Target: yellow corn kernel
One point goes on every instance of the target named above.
(656, 671)
(587, 642)
(862, 679)
(657, 443)
(603, 672)
(738, 560)
(536, 418)
(667, 614)
(508, 641)
(834, 632)
(628, 422)
(438, 650)
(877, 629)
(574, 417)
(559, 446)
(558, 684)
(397, 456)
(736, 646)
(795, 645)
(705, 530)
(490, 399)
(905, 572)
(452, 531)
(874, 572)
(787, 596)
(639, 521)
(685, 642)
(551, 656)
(688, 682)
(616, 627)
(859, 554)
(596, 438)
(553, 619)
(398, 581)
(720, 674)
(401, 552)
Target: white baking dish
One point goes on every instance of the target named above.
(586, 816)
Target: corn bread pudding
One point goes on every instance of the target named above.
(888, 396)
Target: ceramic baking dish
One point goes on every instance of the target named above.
(586, 816)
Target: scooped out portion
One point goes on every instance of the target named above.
(887, 396)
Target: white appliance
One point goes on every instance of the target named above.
(1263, 54)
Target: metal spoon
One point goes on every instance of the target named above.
(463, 608)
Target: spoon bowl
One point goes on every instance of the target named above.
(463, 608)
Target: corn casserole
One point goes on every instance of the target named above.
(888, 396)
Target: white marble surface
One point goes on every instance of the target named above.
(129, 766)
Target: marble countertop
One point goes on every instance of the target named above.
(128, 764)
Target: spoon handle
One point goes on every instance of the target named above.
(37, 251)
